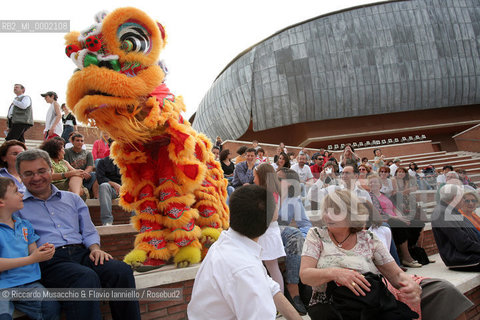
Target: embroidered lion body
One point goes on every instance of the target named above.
(169, 175)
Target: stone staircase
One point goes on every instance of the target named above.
(470, 161)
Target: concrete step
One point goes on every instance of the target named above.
(428, 154)
(463, 281)
(426, 160)
(439, 160)
(421, 156)
(472, 171)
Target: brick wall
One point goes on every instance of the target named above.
(469, 140)
(429, 243)
(36, 132)
(120, 216)
(474, 312)
(118, 245)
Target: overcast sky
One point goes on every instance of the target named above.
(203, 37)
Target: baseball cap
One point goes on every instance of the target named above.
(50, 93)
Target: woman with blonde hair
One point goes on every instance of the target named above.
(343, 256)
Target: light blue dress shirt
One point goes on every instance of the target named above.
(60, 220)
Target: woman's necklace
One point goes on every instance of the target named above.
(340, 243)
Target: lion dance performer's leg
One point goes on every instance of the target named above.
(211, 196)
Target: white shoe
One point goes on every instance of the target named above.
(108, 224)
(412, 264)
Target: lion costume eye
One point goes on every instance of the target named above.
(134, 38)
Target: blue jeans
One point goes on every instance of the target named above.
(106, 194)
(293, 240)
(89, 183)
(37, 310)
(71, 267)
(66, 132)
(230, 190)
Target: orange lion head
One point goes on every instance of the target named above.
(118, 69)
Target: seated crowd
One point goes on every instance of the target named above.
(327, 231)
(87, 174)
(319, 258)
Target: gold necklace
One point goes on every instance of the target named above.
(339, 244)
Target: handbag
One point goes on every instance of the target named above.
(377, 304)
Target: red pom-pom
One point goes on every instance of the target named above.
(71, 48)
(93, 44)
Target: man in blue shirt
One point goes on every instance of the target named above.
(62, 219)
(243, 174)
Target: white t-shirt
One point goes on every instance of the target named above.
(51, 115)
(441, 179)
(304, 173)
(384, 234)
(393, 169)
(411, 173)
(232, 282)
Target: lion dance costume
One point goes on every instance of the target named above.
(169, 175)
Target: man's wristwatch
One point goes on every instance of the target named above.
(63, 175)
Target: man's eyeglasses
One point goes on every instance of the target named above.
(383, 171)
(468, 201)
(362, 169)
(31, 174)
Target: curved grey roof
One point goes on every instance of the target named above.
(386, 57)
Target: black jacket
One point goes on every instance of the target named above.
(108, 171)
(457, 239)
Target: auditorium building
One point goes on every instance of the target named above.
(387, 70)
